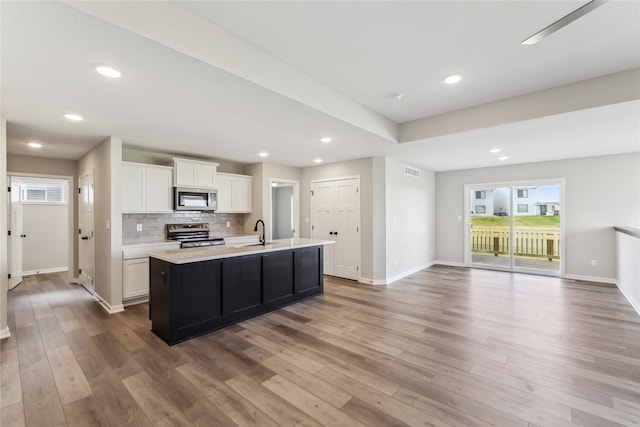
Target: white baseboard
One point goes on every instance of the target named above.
(108, 307)
(135, 300)
(595, 279)
(404, 274)
(5, 333)
(450, 263)
(367, 281)
(633, 303)
(45, 270)
(397, 277)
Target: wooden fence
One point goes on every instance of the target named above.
(536, 242)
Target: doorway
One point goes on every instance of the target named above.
(515, 226)
(335, 215)
(285, 212)
(40, 226)
(86, 247)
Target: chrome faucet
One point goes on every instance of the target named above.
(262, 239)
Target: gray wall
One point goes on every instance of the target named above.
(600, 192)
(105, 162)
(410, 220)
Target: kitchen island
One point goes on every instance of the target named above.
(194, 291)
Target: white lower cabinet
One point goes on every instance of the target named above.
(135, 270)
(135, 277)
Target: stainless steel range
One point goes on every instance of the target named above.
(192, 235)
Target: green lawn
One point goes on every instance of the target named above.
(520, 221)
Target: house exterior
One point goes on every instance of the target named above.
(495, 202)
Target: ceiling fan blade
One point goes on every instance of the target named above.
(564, 21)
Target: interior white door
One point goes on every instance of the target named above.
(336, 216)
(347, 229)
(322, 209)
(15, 240)
(85, 235)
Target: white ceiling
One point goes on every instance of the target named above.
(357, 53)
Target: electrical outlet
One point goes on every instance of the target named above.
(395, 262)
(228, 224)
(138, 227)
(594, 263)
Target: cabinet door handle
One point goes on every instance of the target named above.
(335, 232)
(23, 235)
(164, 278)
(85, 238)
(331, 233)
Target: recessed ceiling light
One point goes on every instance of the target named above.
(495, 150)
(452, 79)
(397, 96)
(318, 160)
(73, 117)
(325, 139)
(503, 158)
(34, 144)
(263, 154)
(108, 71)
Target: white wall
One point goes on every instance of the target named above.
(4, 268)
(46, 247)
(105, 162)
(628, 269)
(600, 192)
(410, 220)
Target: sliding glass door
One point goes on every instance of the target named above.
(515, 226)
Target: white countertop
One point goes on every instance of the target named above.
(187, 255)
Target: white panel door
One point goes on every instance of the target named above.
(85, 221)
(322, 208)
(15, 240)
(336, 216)
(347, 229)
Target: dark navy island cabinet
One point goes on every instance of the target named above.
(191, 299)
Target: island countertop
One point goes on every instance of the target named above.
(188, 255)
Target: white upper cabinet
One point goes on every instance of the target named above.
(146, 188)
(234, 193)
(194, 173)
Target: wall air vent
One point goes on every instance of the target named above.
(408, 170)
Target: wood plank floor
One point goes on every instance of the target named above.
(445, 346)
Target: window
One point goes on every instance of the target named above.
(523, 208)
(481, 195)
(481, 208)
(523, 194)
(43, 193)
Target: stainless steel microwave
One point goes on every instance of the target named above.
(195, 199)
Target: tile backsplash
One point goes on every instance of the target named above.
(154, 225)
